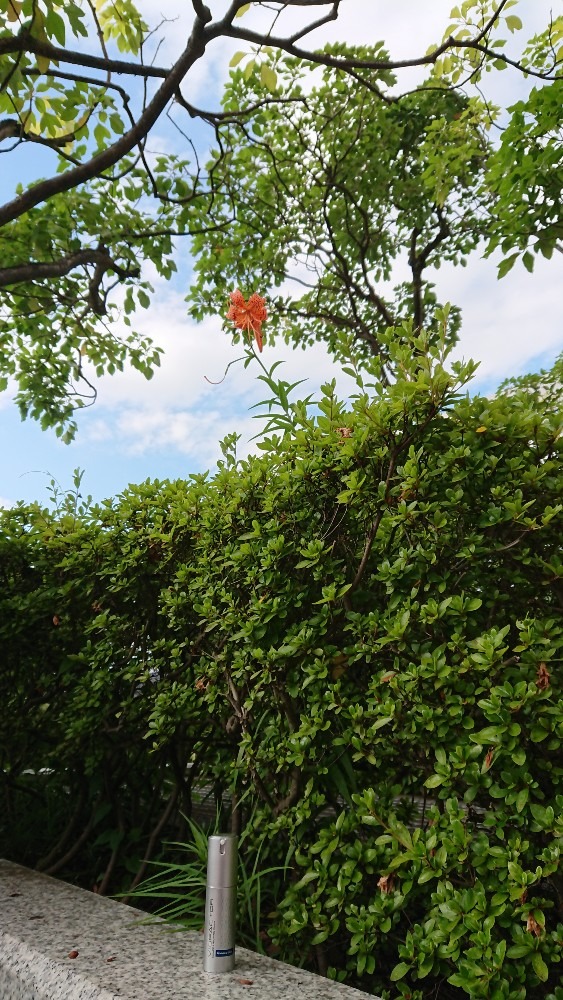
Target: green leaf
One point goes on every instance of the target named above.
(513, 22)
(426, 875)
(238, 56)
(434, 780)
(268, 77)
(473, 604)
(507, 264)
(384, 721)
(399, 972)
(519, 950)
(540, 968)
(309, 876)
(528, 261)
(491, 734)
(521, 799)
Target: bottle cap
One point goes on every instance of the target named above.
(222, 856)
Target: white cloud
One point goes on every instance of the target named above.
(507, 323)
(193, 435)
(190, 404)
(195, 359)
(5, 503)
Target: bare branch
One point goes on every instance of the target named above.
(331, 16)
(202, 12)
(24, 42)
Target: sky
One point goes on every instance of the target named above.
(171, 426)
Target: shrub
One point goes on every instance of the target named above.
(357, 636)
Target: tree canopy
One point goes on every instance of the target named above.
(81, 90)
(332, 195)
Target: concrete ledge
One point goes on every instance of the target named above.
(42, 920)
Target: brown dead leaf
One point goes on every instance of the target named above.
(385, 883)
(246, 982)
(543, 677)
(532, 926)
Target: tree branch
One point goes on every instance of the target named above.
(293, 794)
(109, 157)
(418, 261)
(202, 12)
(100, 258)
(376, 65)
(25, 42)
(331, 16)
(370, 537)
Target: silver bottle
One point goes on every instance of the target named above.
(220, 904)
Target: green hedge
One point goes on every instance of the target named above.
(357, 636)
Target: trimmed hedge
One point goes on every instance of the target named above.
(357, 636)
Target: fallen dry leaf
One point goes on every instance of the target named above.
(246, 982)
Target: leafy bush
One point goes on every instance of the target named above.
(356, 636)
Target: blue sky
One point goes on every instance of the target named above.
(170, 427)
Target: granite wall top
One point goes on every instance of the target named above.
(43, 922)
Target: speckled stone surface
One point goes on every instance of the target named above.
(42, 920)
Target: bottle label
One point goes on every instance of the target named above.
(224, 952)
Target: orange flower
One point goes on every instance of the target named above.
(248, 315)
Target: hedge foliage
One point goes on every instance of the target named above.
(357, 634)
